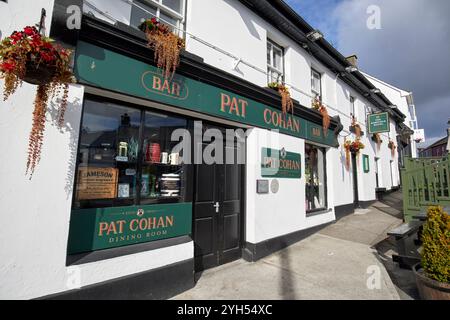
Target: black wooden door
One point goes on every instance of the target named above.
(217, 212)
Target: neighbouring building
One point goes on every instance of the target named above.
(435, 150)
(113, 211)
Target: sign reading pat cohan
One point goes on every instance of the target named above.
(280, 164)
(96, 229)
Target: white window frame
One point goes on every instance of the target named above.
(180, 17)
(270, 64)
(314, 73)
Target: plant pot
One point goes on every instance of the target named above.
(39, 74)
(430, 289)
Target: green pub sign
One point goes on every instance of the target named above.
(106, 69)
(280, 164)
(96, 229)
(378, 123)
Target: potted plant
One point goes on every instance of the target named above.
(352, 147)
(166, 45)
(433, 274)
(318, 105)
(286, 101)
(28, 56)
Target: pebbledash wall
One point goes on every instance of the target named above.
(36, 213)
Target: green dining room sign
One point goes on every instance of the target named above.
(110, 70)
(104, 228)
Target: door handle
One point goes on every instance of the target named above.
(217, 206)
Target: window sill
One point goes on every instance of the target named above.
(101, 255)
(310, 214)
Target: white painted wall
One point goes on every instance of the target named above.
(273, 215)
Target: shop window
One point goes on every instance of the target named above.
(315, 175)
(171, 12)
(275, 63)
(316, 83)
(125, 158)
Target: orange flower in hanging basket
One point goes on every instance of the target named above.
(166, 44)
(28, 56)
(286, 101)
(326, 120)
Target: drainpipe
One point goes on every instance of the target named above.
(448, 136)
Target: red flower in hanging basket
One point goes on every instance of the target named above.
(28, 56)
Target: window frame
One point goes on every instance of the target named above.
(179, 16)
(325, 207)
(137, 200)
(313, 90)
(270, 65)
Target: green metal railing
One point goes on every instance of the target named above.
(425, 183)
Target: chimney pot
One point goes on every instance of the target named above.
(353, 60)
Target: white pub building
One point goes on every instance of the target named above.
(114, 211)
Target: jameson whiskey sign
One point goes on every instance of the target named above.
(96, 229)
(280, 164)
(97, 183)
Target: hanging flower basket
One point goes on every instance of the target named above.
(28, 56)
(326, 120)
(376, 137)
(166, 45)
(38, 74)
(352, 147)
(286, 101)
(356, 128)
(393, 147)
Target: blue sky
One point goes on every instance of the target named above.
(411, 50)
(319, 14)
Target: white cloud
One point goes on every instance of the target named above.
(411, 50)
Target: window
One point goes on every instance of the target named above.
(275, 63)
(170, 11)
(316, 85)
(125, 157)
(315, 175)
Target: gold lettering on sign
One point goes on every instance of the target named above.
(316, 132)
(278, 120)
(164, 86)
(233, 105)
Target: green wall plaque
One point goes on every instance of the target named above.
(366, 163)
(378, 123)
(280, 164)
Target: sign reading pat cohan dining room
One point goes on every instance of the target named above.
(103, 228)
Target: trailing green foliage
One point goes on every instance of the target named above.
(436, 245)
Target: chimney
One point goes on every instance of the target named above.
(353, 60)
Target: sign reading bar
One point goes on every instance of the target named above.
(97, 183)
(280, 164)
(96, 229)
(378, 123)
(107, 69)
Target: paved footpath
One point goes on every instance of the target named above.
(336, 263)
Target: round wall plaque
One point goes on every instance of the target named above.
(275, 186)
